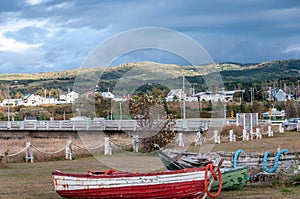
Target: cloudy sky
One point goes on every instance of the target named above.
(54, 35)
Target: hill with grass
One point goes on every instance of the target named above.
(233, 74)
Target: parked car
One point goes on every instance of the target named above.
(291, 123)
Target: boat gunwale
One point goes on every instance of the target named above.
(118, 174)
(230, 170)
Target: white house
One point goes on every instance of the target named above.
(279, 95)
(108, 95)
(223, 96)
(12, 102)
(211, 96)
(71, 97)
(32, 100)
(49, 100)
(63, 97)
(191, 99)
(36, 100)
(175, 94)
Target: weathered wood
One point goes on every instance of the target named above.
(252, 160)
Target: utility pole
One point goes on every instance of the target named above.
(251, 90)
(183, 98)
(120, 110)
(8, 105)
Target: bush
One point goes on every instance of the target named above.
(4, 160)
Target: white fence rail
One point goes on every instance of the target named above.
(124, 125)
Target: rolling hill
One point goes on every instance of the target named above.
(232, 73)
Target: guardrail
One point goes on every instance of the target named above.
(191, 125)
(68, 125)
(103, 125)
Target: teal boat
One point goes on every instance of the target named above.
(232, 178)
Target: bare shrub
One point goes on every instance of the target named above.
(4, 160)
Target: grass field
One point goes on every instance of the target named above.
(33, 180)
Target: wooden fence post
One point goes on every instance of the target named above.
(135, 144)
(180, 140)
(69, 150)
(198, 139)
(258, 134)
(217, 137)
(281, 130)
(107, 147)
(270, 132)
(231, 138)
(245, 135)
(29, 154)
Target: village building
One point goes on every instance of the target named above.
(279, 95)
(32, 100)
(223, 96)
(49, 100)
(37, 100)
(71, 97)
(108, 95)
(175, 95)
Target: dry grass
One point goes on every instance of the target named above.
(48, 146)
(26, 180)
(287, 140)
(87, 145)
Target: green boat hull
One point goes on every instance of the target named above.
(232, 179)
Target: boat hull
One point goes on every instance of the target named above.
(186, 183)
(232, 179)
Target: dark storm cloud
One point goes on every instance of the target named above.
(57, 35)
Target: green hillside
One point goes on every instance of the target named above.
(232, 74)
(265, 71)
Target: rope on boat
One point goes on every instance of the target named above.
(274, 168)
(236, 156)
(210, 167)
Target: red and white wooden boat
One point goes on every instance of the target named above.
(185, 183)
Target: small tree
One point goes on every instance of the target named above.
(153, 123)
